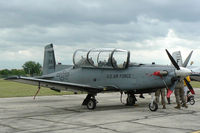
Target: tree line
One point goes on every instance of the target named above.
(29, 68)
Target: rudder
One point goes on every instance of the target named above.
(177, 57)
(49, 62)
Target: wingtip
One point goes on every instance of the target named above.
(12, 78)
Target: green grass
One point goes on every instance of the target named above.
(14, 89)
(195, 84)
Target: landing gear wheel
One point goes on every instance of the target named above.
(90, 101)
(91, 104)
(130, 101)
(192, 101)
(153, 107)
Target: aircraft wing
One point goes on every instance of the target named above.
(195, 77)
(57, 85)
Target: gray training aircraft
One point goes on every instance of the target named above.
(105, 70)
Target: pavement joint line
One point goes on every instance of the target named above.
(65, 118)
(49, 130)
(48, 114)
(80, 126)
(59, 122)
(147, 117)
(18, 129)
(66, 109)
(87, 125)
(73, 124)
(133, 121)
(106, 128)
(162, 126)
(150, 117)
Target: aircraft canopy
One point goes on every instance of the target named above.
(102, 58)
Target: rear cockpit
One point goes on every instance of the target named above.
(102, 58)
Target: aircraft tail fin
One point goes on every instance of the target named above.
(177, 57)
(187, 59)
(49, 62)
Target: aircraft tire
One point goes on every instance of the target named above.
(91, 104)
(130, 101)
(192, 101)
(154, 107)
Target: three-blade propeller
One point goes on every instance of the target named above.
(179, 69)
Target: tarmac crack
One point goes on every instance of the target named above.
(162, 126)
(150, 117)
(106, 128)
(166, 115)
(38, 115)
(66, 109)
(14, 128)
(80, 125)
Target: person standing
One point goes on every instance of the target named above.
(162, 93)
(179, 94)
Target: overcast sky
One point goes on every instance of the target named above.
(145, 27)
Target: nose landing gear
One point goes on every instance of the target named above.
(153, 106)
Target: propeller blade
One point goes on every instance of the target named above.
(187, 59)
(169, 92)
(172, 60)
(189, 86)
(171, 89)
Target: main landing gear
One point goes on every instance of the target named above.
(131, 99)
(90, 101)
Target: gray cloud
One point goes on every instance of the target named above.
(54, 12)
(136, 25)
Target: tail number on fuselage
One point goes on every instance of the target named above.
(63, 75)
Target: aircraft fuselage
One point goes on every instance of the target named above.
(138, 77)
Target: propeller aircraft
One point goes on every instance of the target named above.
(106, 70)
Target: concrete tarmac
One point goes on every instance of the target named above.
(64, 114)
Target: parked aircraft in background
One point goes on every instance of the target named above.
(106, 70)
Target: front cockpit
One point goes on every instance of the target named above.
(102, 58)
